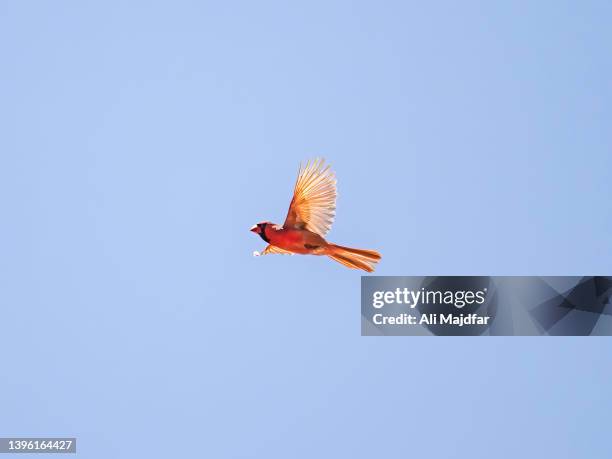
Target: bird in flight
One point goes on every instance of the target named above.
(311, 214)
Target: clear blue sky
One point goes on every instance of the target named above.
(140, 142)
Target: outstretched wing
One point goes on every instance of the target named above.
(313, 206)
(272, 249)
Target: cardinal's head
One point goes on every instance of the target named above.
(260, 229)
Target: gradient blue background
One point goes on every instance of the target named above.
(140, 142)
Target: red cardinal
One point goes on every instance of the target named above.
(311, 214)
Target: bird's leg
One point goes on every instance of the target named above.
(271, 249)
(265, 251)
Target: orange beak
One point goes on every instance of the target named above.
(255, 229)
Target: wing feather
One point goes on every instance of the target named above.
(313, 206)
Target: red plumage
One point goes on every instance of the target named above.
(310, 216)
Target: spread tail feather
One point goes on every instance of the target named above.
(354, 258)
